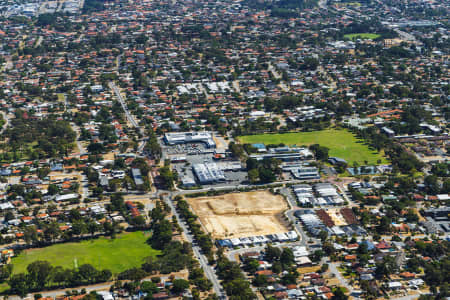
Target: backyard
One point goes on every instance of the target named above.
(342, 144)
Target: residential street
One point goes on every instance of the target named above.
(209, 272)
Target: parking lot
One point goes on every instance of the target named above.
(184, 156)
(187, 149)
(185, 169)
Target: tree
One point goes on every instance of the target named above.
(277, 268)
(251, 265)
(287, 258)
(5, 272)
(323, 235)
(87, 273)
(328, 248)
(167, 177)
(179, 285)
(260, 280)
(149, 287)
(19, 285)
(59, 275)
(272, 253)
(96, 148)
(133, 274)
(431, 182)
(162, 234)
(320, 152)
(138, 221)
(253, 175)
(79, 227)
(317, 255)
(239, 288)
(384, 225)
(339, 294)
(266, 175)
(39, 272)
(30, 234)
(52, 189)
(92, 227)
(386, 267)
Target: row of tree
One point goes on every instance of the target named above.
(203, 240)
(41, 275)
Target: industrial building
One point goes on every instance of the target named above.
(174, 138)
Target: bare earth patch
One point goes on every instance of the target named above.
(241, 214)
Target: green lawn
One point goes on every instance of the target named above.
(369, 36)
(126, 251)
(60, 97)
(342, 143)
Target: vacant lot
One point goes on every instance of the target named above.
(362, 36)
(341, 143)
(126, 251)
(241, 214)
(336, 216)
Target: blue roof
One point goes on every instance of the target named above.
(259, 146)
(224, 243)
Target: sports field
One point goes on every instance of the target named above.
(342, 143)
(126, 251)
(367, 36)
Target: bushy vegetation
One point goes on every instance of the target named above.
(37, 138)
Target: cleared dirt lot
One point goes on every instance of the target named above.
(241, 214)
(337, 217)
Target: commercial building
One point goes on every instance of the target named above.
(174, 138)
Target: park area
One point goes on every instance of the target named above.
(128, 250)
(342, 143)
(241, 214)
(362, 36)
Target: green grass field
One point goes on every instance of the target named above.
(368, 36)
(126, 251)
(341, 143)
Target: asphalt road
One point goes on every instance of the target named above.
(130, 118)
(343, 282)
(209, 272)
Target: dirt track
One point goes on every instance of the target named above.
(241, 214)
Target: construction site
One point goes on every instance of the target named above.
(238, 215)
